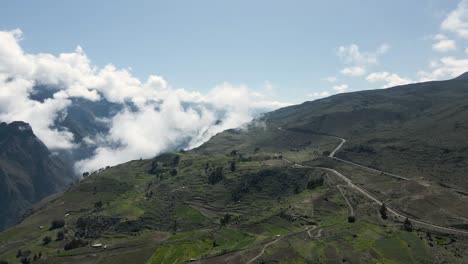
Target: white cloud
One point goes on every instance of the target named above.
(390, 79)
(353, 71)
(341, 88)
(457, 20)
(318, 94)
(446, 67)
(330, 79)
(443, 44)
(351, 54)
(164, 117)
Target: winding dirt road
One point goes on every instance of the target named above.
(351, 209)
(310, 228)
(372, 197)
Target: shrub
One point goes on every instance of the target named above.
(60, 236)
(175, 161)
(173, 172)
(216, 176)
(58, 223)
(98, 204)
(351, 219)
(75, 243)
(383, 211)
(314, 183)
(225, 220)
(233, 166)
(46, 240)
(407, 225)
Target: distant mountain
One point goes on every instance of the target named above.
(28, 171)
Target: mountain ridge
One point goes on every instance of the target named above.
(28, 171)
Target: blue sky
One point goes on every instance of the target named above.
(282, 48)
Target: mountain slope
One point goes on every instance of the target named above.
(423, 123)
(273, 192)
(28, 171)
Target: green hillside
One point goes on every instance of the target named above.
(273, 192)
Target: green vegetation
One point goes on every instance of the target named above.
(266, 184)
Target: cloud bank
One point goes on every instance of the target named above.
(154, 118)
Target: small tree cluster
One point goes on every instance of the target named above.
(175, 161)
(225, 220)
(57, 223)
(46, 240)
(98, 204)
(216, 176)
(75, 243)
(154, 168)
(407, 225)
(383, 211)
(314, 183)
(233, 165)
(60, 236)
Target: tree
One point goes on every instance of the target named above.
(154, 168)
(57, 223)
(98, 204)
(314, 183)
(176, 161)
(60, 236)
(383, 211)
(351, 219)
(46, 240)
(225, 220)
(326, 153)
(174, 172)
(233, 166)
(75, 243)
(175, 225)
(25, 260)
(85, 174)
(19, 253)
(216, 176)
(407, 225)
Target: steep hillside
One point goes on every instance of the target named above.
(28, 171)
(419, 130)
(302, 184)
